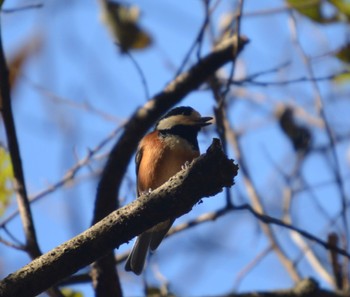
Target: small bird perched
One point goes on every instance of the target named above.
(299, 135)
(160, 155)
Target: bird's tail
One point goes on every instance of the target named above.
(158, 233)
(137, 257)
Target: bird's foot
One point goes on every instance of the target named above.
(147, 192)
(186, 165)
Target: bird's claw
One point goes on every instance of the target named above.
(186, 165)
(147, 192)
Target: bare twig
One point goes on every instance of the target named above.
(9, 234)
(336, 267)
(332, 139)
(250, 80)
(86, 106)
(12, 245)
(19, 183)
(235, 32)
(249, 267)
(197, 41)
(22, 8)
(308, 253)
(32, 246)
(305, 288)
(258, 209)
(141, 74)
(270, 220)
(220, 118)
(69, 175)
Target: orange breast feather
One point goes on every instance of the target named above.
(160, 160)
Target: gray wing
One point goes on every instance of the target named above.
(138, 158)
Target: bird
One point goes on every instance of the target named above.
(299, 135)
(160, 155)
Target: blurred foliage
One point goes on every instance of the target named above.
(6, 180)
(156, 292)
(309, 8)
(71, 293)
(342, 78)
(21, 56)
(122, 21)
(313, 9)
(343, 7)
(344, 54)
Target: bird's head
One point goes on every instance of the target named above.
(185, 117)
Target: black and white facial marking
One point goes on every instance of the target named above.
(184, 122)
(179, 115)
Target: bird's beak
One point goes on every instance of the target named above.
(204, 121)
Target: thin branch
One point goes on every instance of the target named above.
(32, 246)
(305, 288)
(141, 74)
(308, 253)
(220, 118)
(270, 220)
(220, 94)
(256, 201)
(13, 238)
(22, 8)
(332, 139)
(251, 265)
(236, 32)
(12, 245)
(333, 258)
(250, 80)
(212, 216)
(197, 41)
(19, 183)
(68, 176)
(86, 106)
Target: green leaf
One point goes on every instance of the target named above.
(122, 21)
(343, 53)
(311, 9)
(6, 180)
(343, 6)
(67, 292)
(343, 78)
(155, 292)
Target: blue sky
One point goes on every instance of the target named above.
(78, 88)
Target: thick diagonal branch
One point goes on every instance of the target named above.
(206, 176)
